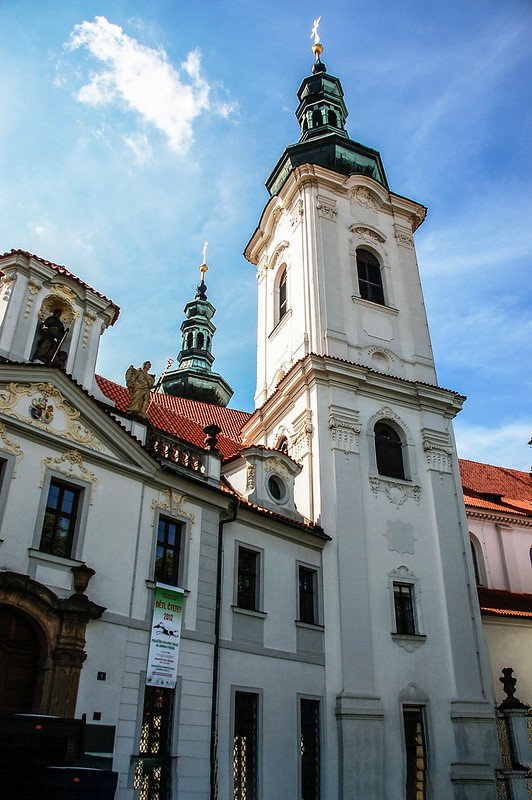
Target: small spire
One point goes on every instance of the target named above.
(201, 293)
(317, 48)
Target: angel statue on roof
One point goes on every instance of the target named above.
(139, 381)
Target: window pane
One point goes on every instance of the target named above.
(388, 451)
(247, 579)
(53, 495)
(310, 749)
(404, 608)
(416, 756)
(245, 746)
(167, 551)
(59, 522)
(307, 595)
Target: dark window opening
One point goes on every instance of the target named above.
(404, 608)
(369, 277)
(245, 746)
(317, 119)
(190, 340)
(248, 579)
(416, 754)
(283, 307)
(307, 595)
(388, 451)
(152, 773)
(200, 341)
(310, 749)
(60, 519)
(168, 551)
(332, 119)
(475, 563)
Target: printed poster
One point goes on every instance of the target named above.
(165, 636)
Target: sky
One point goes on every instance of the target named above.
(133, 131)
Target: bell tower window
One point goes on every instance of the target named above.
(388, 451)
(369, 277)
(283, 300)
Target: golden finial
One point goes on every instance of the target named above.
(317, 47)
(204, 267)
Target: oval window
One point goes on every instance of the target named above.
(276, 487)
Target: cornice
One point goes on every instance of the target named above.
(501, 516)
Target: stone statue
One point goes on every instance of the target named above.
(51, 336)
(314, 32)
(139, 381)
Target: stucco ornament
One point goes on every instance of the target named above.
(7, 445)
(327, 208)
(174, 503)
(364, 198)
(70, 464)
(59, 416)
(397, 493)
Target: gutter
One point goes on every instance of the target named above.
(231, 517)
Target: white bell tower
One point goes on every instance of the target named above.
(345, 374)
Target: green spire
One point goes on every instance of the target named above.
(193, 378)
(324, 140)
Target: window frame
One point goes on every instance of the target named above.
(180, 549)
(257, 693)
(403, 576)
(84, 488)
(259, 582)
(421, 709)
(400, 449)
(316, 599)
(371, 286)
(319, 701)
(404, 613)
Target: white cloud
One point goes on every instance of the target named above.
(502, 446)
(140, 146)
(145, 81)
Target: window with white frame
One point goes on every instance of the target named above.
(389, 451)
(369, 277)
(403, 601)
(248, 579)
(168, 551)
(61, 517)
(308, 595)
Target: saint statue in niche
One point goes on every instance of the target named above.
(51, 336)
(140, 381)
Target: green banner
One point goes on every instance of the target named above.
(165, 636)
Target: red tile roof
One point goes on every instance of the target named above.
(496, 488)
(505, 603)
(184, 418)
(64, 271)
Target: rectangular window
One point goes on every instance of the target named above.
(168, 551)
(245, 746)
(308, 579)
(152, 770)
(60, 517)
(310, 749)
(248, 579)
(403, 598)
(416, 753)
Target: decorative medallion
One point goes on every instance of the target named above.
(41, 410)
(400, 536)
(364, 198)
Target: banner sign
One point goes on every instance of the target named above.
(165, 636)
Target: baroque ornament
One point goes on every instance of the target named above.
(364, 198)
(174, 503)
(397, 493)
(367, 234)
(9, 446)
(65, 418)
(69, 464)
(326, 208)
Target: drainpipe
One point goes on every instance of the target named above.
(231, 517)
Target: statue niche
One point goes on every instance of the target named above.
(52, 332)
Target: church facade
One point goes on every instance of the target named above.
(331, 642)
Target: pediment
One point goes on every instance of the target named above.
(64, 412)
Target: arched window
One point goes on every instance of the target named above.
(332, 119)
(317, 119)
(475, 563)
(200, 340)
(190, 340)
(283, 301)
(388, 451)
(369, 277)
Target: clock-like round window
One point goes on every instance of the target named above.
(276, 488)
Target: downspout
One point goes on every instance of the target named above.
(231, 517)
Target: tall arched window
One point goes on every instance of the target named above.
(332, 119)
(317, 118)
(369, 277)
(200, 340)
(475, 563)
(388, 451)
(283, 300)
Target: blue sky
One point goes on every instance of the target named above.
(132, 131)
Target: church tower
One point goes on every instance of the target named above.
(194, 378)
(346, 380)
